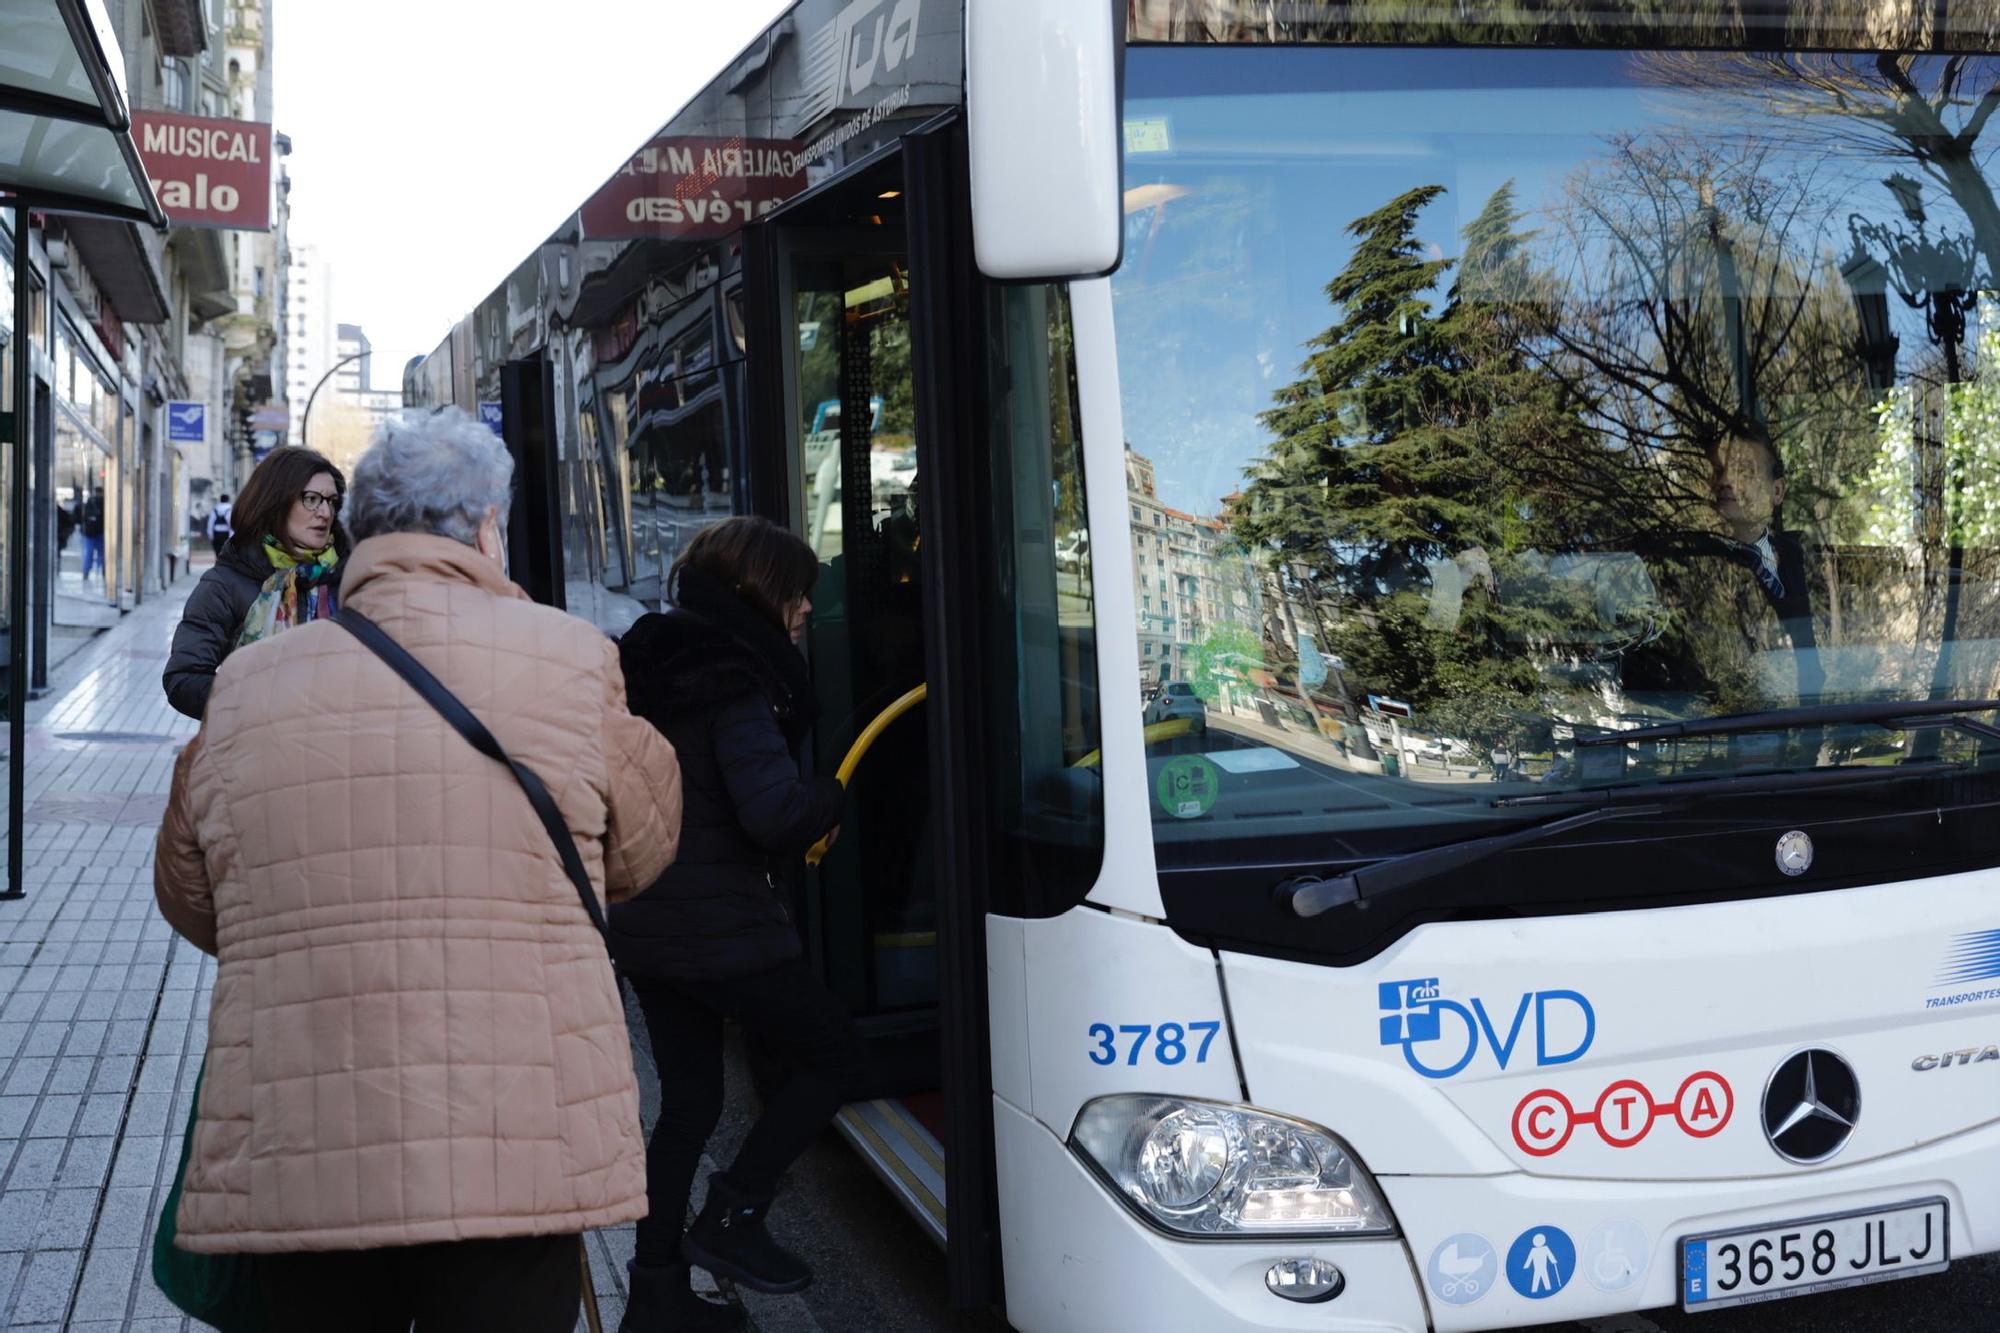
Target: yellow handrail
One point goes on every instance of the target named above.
(1158, 731)
(868, 736)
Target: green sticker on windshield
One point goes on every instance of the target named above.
(1187, 786)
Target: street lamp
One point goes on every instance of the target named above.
(306, 421)
(1869, 282)
(1937, 275)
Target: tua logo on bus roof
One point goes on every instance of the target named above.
(859, 44)
(1441, 1037)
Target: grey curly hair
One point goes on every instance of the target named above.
(437, 472)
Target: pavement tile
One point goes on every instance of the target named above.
(150, 1113)
(44, 1290)
(127, 1036)
(153, 1303)
(21, 1217)
(114, 1074)
(106, 1289)
(86, 1038)
(126, 1217)
(57, 1118)
(99, 1004)
(103, 1113)
(66, 1220)
(15, 1112)
(10, 1269)
(46, 1039)
(35, 1164)
(158, 1074)
(72, 1074)
(88, 1163)
(12, 1036)
(61, 1006)
(138, 1161)
(28, 1077)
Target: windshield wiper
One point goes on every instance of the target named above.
(1310, 895)
(1891, 714)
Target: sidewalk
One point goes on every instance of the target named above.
(104, 1011)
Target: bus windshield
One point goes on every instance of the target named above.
(1484, 402)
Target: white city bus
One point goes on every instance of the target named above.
(1435, 573)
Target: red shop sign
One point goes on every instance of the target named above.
(694, 188)
(208, 172)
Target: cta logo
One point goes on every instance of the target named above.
(1623, 1114)
(1442, 1037)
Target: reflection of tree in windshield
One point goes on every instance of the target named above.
(1638, 446)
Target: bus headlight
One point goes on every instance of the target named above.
(1200, 1168)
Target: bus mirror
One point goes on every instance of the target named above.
(1042, 94)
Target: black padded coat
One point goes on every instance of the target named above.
(214, 617)
(732, 694)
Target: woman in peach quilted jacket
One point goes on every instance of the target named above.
(419, 1085)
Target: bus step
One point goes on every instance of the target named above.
(903, 1153)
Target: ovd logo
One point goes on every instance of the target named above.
(1441, 1037)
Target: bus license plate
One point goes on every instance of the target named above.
(1769, 1263)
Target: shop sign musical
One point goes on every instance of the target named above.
(207, 172)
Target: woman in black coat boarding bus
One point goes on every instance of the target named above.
(720, 674)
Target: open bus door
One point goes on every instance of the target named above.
(864, 286)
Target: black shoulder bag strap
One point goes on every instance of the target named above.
(465, 724)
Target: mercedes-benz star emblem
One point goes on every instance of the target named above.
(1795, 853)
(1811, 1105)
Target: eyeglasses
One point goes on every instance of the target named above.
(315, 502)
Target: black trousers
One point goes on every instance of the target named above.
(786, 1009)
(523, 1284)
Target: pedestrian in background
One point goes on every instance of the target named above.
(419, 1089)
(720, 674)
(290, 520)
(90, 526)
(218, 524)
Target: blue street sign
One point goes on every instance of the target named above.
(489, 415)
(187, 423)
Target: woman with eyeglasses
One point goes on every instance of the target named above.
(287, 518)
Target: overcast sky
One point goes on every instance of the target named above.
(434, 145)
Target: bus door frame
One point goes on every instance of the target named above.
(948, 366)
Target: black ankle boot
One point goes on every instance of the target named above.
(662, 1300)
(729, 1240)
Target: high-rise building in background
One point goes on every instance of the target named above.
(310, 337)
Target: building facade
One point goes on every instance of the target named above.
(1189, 578)
(136, 363)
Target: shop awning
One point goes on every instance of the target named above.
(126, 261)
(65, 131)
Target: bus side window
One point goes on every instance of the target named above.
(1043, 696)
